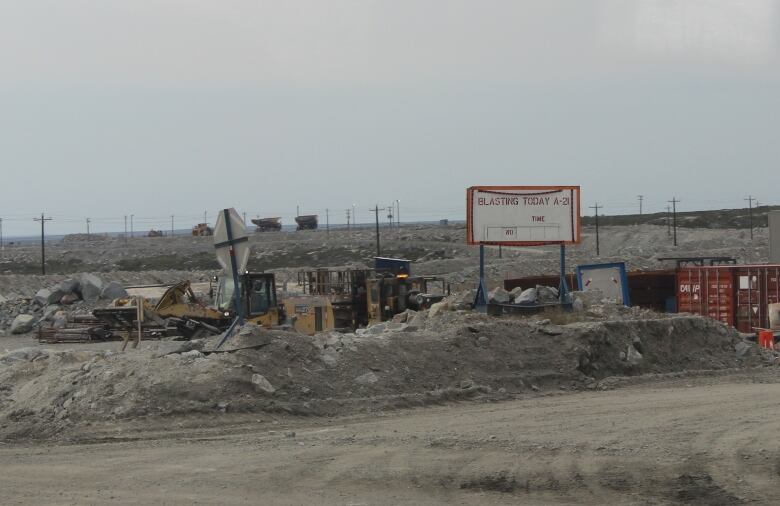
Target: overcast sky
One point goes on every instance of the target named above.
(160, 107)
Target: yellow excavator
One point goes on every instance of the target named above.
(179, 312)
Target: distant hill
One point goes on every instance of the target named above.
(722, 218)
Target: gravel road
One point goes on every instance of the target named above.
(694, 440)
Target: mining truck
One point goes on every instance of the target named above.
(267, 224)
(306, 222)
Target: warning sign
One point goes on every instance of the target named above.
(523, 215)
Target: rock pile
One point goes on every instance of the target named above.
(23, 314)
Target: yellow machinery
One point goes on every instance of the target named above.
(366, 296)
(202, 230)
(307, 314)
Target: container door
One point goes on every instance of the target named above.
(749, 299)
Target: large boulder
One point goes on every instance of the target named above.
(22, 324)
(70, 285)
(91, 287)
(465, 299)
(69, 298)
(113, 290)
(498, 295)
(49, 311)
(262, 385)
(546, 294)
(526, 297)
(42, 296)
(55, 296)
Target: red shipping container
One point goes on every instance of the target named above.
(707, 291)
(737, 295)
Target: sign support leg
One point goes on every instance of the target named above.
(563, 287)
(480, 301)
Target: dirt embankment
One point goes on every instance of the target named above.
(453, 356)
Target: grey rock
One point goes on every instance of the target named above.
(23, 355)
(633, 357)
(367, 379)
(171, 347)
(551, 330)
(69, 298)
(262, 385)
(526, 297)
(499, 296)
(546, 294)
(55, 296)
(466, 384)
(91, 287)
(439, 307)
(377, 329)
(741, 348)
(417, 321)
(404, 317)
(70, 285)
(42, 296)
(465, 300)
(50, 311)
(113, 290)
(22, 324)
(191, 354)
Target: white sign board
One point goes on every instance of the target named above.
(523, 215)
(774, 237)
(609, 279)
(239, 241)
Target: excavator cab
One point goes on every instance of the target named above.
(258, 295)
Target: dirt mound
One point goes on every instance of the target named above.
(456, 355)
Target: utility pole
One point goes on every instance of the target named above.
(641, 199)
(43, 221)
(206, 217)
(171, 225)
(88, 220)
(125, 229)
(354, 215)
(376, 210)
(597, 207)
(674, 203)
(398, 213)
(750, 200)
(244, 218)
(347, 219)
(297, 211)
(327, 222)
(131, 226)
(668, 222)
(390, 214)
